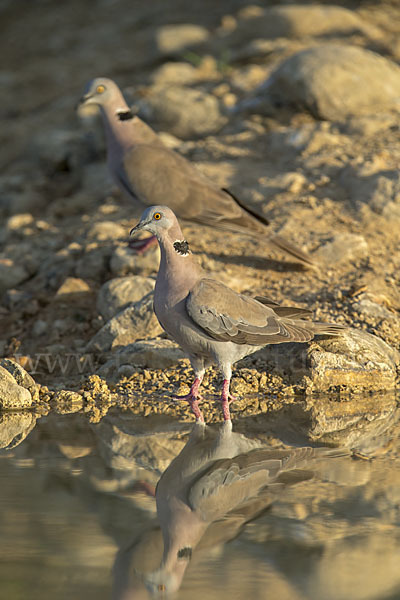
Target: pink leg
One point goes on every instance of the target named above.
(226, 399)
(193, 398)
(141, 246)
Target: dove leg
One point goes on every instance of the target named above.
(193, 397)
(141, 246)
(226, 396)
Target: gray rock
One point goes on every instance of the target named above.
(12, 395)
(39, 328)
(125, 261)
(60, 148)
(353, 362)
(343, 247)
(185, 112)
(135, 322)
(151, 354)
(171, 39)
(326, 80)
(94, 263)
(11, 274)
(117, 293)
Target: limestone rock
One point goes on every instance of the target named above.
(171, 39)
(117, 293)
(151, 354)
(137, 321)
(12, 395)
(299, 21)
(185, 112)
(353, 362)
(126, 262)
(21, 376)
(181, 73)
(106, 230)
(326, 80)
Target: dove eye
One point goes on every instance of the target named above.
(157, 216)
(161, 587)
(100, 89)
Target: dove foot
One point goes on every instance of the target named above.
(141, 246)
(193, 398)
(226, 399)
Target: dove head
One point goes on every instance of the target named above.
(104, 93)
(161, 222)
(162, 583)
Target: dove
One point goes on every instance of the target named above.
(151, 174)
(211, 322)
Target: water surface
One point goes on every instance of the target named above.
(79, 520)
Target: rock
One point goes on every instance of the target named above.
(300, 21)
(326, 80)
(12, 395)
(185, 112)
(39, 328)
(172, 39)
(60, 149)
(125, 261)
(135, 322)
(374, 186)
(151, 354)
(365, 306)
(181, 73)
(117, 293)
(350, 363)
(21, 376)
(94, 263)
(107, 230)
(66, 402)
(11, 274)
(15, 427)
(72, 288)
(16, 299)
(19, 221)
(343, 247)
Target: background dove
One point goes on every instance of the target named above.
(151, 174)
(210, 321)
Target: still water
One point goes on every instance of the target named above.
(78, 512)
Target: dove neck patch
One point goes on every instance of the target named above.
(181, 247)
(185, 553)
(125, 115)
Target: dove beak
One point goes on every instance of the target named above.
(138, 227)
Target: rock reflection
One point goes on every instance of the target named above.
(220, 481)
(15, 427)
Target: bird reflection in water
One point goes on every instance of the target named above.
(220, 481)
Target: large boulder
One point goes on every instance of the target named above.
(333, 82)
